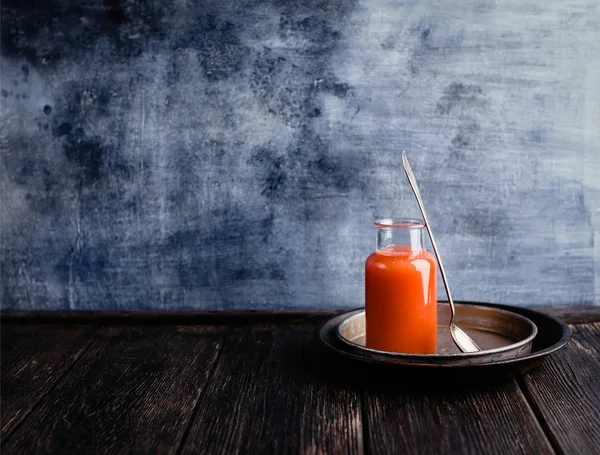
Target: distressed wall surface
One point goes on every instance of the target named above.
(233, 154)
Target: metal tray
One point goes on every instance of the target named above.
(552, 335)
(499, 333)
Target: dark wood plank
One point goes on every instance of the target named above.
(570, 314)
(166, 317)
(268, 395)
(34, 358)
(131, 392)
(495, 419)
(573, 314)
(565, 392)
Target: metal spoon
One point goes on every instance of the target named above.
(461, 339)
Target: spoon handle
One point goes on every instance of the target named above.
(415, 188)
(461, 339)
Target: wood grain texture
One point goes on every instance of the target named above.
(34, 358)
(131, 392)
(573, 315)
(268, 395)
(565, 393)
(264, 386)
(490, 420)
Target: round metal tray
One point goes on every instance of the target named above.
(552, 335)
(499, 333)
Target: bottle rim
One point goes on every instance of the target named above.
(399, 223)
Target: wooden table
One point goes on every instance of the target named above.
(260, 383)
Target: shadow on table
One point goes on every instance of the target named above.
(326, 367)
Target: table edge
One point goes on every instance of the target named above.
(569, 314)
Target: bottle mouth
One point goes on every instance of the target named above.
(399, 223)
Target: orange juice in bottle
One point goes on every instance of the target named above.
(400, 290)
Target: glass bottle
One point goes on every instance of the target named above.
(400, 290)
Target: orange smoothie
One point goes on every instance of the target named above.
(401, 300)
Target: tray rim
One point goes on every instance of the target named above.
(455, 356)
(532, 356)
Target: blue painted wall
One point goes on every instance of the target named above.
(233, 154)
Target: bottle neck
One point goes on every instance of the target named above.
(400, 236)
